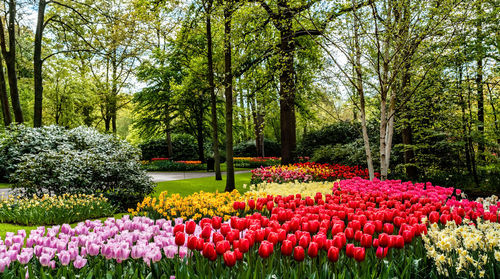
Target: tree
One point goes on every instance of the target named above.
(228, 91)
(9, 55)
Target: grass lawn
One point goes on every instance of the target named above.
(207, 184)
(4, 185)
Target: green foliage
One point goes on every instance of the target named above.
(77, 161)
(248, 149)
(168, 165)
(350, 154)
(183, 145)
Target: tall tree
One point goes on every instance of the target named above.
(4, 98)
(9, 55)
(211, 84)
(228, 91)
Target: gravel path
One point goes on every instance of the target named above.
(160, 177)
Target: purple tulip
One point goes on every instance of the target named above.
(79, 262)
(44, 259)
(64, 257)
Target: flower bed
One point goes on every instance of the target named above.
(255, 162)
(306, 172)
(48, 210)
(362, 229)
(291, 188)
(195, 206)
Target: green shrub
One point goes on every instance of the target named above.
(79, 161)
(168, 165)
(351, 154)
(184, 147)
(338, 133)
(249, 149)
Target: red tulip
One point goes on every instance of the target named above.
(180, 238)
(192, 242)
(304, 241)
(251, 204)
(398, 241)
(229, 258)
(337, 242)
(359, 254)
(407, 236)
(216, 237)
(270, 205)
(273, 238)
(244, 245)
(225, 229)
(238, 254)
(199, 244)
(209, 251)
(366, 240)
(216, 222)
(383, 239)
(286, 248)
(349, 233)
(206, 232)
(349, 250)
(178, 228)
(292, 238)
(388, 228)
(333, 254)
(298, 253)
(434, 217)
(369, 228)
(222, 246)
(265, 249)
(190, 227)
(381, 252)
(358, 235)
(312, 250)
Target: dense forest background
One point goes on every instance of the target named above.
(407, 88)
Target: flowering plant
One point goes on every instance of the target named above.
(254, 162)
(47, 210)
(196, 206)
(305, 172)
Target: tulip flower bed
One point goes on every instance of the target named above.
(255, 162)
(48, 210)
(306, 172)
(290, 188)
(195, 206)
(362, 229)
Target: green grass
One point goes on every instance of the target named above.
(207, 184)
(4, 185)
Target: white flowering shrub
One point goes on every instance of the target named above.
(56, 161)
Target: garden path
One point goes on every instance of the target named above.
(159, 177)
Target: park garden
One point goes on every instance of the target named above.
(249, 139)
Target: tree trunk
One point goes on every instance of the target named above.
(360, 91)
(170, 150)
(213, 98)
(287, 93)
(10, 60)
(228, 90)
(199, 134)
(37, 63)
(479, 84)
(4, 98)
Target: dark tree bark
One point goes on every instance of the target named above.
(170, 150)
(479, 85)
(4, 98)
(37, 63)
(287, 90)
(199, 135)
(10, 60)
(228, 90)
(213, 97)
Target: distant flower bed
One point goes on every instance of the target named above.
(306, 172)
(254, 162)
(164, 164)
(195, 206)
(49, 210)
(298, 189)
